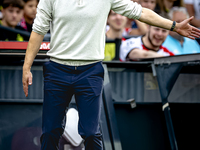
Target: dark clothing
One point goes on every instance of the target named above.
(9, 35)
(61, 82)
(29, 27)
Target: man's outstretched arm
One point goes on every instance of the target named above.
(31, 52)
(183, 28)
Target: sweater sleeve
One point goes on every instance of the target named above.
(43, 18)
(127, 8)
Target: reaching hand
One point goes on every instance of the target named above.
(26, 80)
(185, 29)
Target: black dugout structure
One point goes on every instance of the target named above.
(151, 104)
(155, 124)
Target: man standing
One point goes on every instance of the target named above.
(147, 46)
(176, 43)
(76, 51)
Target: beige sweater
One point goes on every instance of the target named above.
(78, 27)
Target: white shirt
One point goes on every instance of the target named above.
(128, 45)
(78, 26)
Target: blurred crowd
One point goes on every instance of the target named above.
(138, 40)
(17, 17)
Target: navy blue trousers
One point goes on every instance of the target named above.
(61, 82)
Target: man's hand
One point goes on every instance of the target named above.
(26, 80)
(32, 50)
(185, 29)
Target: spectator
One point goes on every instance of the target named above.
(12, 13)
(151, 4)
(117, 24)
(166, 5)
(177, 43)
(147, 46)
(29, 14)
(115, 32)
(139, 28)
(193, 8)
